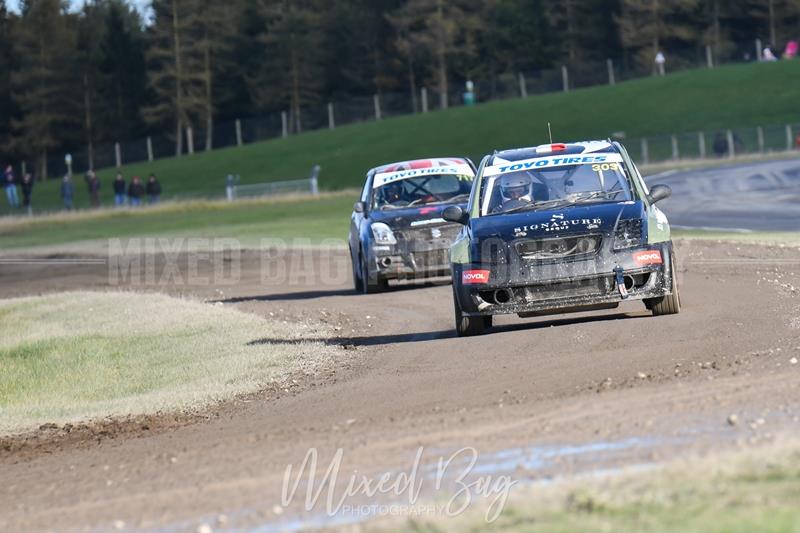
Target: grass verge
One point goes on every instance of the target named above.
(744, 491)
(83, 355)
(325, 217)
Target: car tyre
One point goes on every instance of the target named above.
(669, 304)
(469, 326)
(368, 287)
(355, 268)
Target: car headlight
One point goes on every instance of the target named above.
(383, 234)
(628, 233)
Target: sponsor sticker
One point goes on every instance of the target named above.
(551, 162)
(649, 257)
(390, 177)
(475, 277)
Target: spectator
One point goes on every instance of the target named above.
(768, 55)
(66, 192)
(790, 52)
(119, 190)
(720, 144)
(93, 183)
(797, 141)
(10, 185)
(153, 189)
(27, 190)
(661, 61)
(135, 191)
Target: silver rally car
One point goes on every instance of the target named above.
(560, 228)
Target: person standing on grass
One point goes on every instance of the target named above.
(67, 192)
(93, 182)
(27, 191)
(119, 190)
(135, 191)
(153, 189)
(10, 185)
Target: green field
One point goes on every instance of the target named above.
(731, 96)
(326, 217)
(80, 355)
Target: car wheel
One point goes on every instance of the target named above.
(355, 268)
(469, 326)
(368, 287)
(670, 304)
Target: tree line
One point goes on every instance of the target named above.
(104, 72)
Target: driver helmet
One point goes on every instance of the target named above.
(393, 192)
(516, 187)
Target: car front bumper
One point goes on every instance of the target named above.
(567, 287)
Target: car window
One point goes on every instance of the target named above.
(554, 182)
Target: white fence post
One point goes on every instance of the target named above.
(612, 78)
(759, 50)
(788, 136)
(331, 122)
(190, 139)
(701, 142)
(760, 134)
(149, 149)
(675, 153)
(565, 78)
(709, 57)
(118, 154)
(731, 145)
(523, 86)
(424, 95)
(239, 140)
(284, 124)
(376, 101)
(645, 152)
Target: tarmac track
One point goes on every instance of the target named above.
(650, 388)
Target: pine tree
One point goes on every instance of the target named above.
(5, 74)
(123, 67)
(439, 32)
(43, 82)
(175, 67)
(293, 69)
(651, 26)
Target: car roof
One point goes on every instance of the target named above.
(547, 150)
(420, 163)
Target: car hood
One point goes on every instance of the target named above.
(412, 217)
(598, 218)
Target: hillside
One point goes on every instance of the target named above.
(731, 96)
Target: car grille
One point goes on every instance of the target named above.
(433, 258)
(559, 249)
(447, 232)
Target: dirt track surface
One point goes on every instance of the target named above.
(650, 388)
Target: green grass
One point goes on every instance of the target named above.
(80, 355)
(734, 492)
(731, 96)
(326, 217)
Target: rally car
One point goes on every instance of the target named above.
(397, 230)
(560, 228)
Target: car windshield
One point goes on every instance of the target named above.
(423, 190)
(530, 188)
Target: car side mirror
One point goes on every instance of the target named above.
(659, 192)
(360, 207)
(454, 213)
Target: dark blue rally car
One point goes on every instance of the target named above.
(397, 230)
(560, 228)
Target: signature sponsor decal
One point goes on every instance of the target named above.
(559, 222)
(475, 277)
(649, 257)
